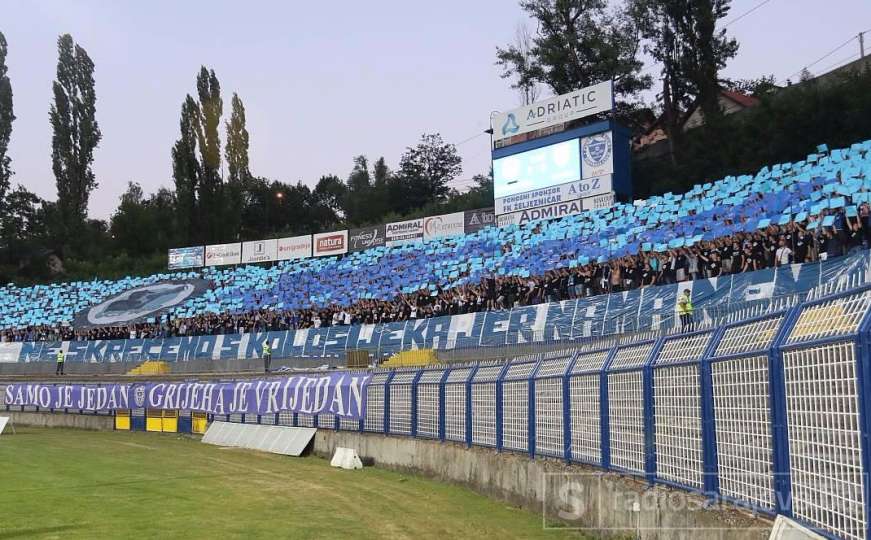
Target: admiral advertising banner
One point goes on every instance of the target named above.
(556, 110)
(141, 303)
(296, 247)
(597, 155)
(570, 191)
(223, 254)
(331, 243)
(340, 393)
(443, 226)
(259, 251)
(367, 237)
(475, 220)
(403, 232)
(188, 257)
(552, 211)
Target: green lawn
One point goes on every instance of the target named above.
(57, 483)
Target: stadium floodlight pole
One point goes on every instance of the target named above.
(490, 132)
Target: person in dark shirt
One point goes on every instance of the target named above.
(713, 267)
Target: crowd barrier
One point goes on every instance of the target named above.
(771, 413)
(717, 300)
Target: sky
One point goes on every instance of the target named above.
(322, 82)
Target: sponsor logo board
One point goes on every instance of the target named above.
(223, 254)
(295, 247)
(570, 191)
(331, 243)
(259, 251)
(443, 226)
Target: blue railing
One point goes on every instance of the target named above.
(770, 413)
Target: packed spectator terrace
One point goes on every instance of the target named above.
(814, 209)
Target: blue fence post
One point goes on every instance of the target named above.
(530, 409)
(500, 380)
(779, 429)
(711, 479)
(567, 408)
(386, 426)
(469, 411)
(605, 410)
(442, 392)
(414, 383)
(863, 375)
(650, 413)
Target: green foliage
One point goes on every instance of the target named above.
(75, 136)
(211, 193)
(424, 172)
(7, 116)
(239, 175)
(786, 126)
(186, 173)
(578, 43)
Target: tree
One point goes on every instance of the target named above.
(211, 194)
(518, 63)
(7, 116)
(21, 219)
(143, 226)
(187, 173)
(424, 173)
(578, 43)
(75, 136)
(359, 189)
(682, 36)
(327, 202)
(238, 173)
(762, 86)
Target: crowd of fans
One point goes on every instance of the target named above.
(743, 252)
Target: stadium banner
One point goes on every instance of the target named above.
(597, 155)
(330, 243)
(556, 110)
(443, 226)
(141, 304)
(475, 220)
(296, 247)
(594, 316)
(571, 191)
(403, 232)
(259, 251)
(223, 254)
(606, 200)
(552, 211)
(187, 257)
(340, 393)
(366, 238)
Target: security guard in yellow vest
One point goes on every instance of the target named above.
(685, 310)
(267, 356)
(59, 370)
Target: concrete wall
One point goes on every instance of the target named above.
(59, 419)
(570, 495)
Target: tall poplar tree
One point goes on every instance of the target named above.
(75, 136)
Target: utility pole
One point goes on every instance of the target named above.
(861, 44)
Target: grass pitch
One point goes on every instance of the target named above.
(58, 483)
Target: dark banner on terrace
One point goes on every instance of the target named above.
(342, 394)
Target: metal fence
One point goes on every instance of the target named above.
(772, 413)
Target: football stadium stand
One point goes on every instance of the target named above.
(769, 413)
(825, 196)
